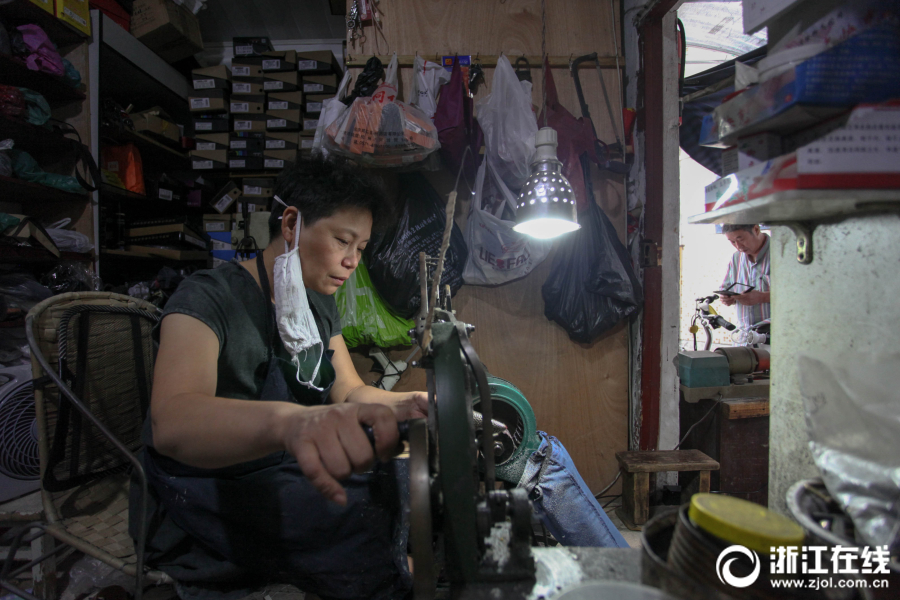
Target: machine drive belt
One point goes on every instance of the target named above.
(487, 431)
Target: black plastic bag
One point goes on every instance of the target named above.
(393, 258)
(592, 285)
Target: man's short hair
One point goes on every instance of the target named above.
(741, 227)
(319, 187)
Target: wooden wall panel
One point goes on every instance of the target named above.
(578, 392)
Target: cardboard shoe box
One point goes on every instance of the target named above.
(278, 159)
(284, 60)
(315, 62)
(256, 187)
(315, 103)
(223, 199)
(320, 84)
(282, 82)
(241, 71)
(284, 101)
(254, 144)
(251, 46)
(245, 160)
(306, 145)
(209, 160)
(250, 123)
(282, 140)
(209, 101)
(211, 141)
(155, 121)
(218, 77)
(246, 88)
(252, 104)
(309, 125)
(76, 13)
(170, 30)
(211, 125)
(283, 120)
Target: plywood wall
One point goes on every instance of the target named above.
(578, 392)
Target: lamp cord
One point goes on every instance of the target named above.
(544, 58)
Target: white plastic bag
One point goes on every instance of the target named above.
(497, 254)
(509, 126)
(331, 110)
(428, 77)
(68, 240)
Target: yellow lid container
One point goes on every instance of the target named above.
(741, 522)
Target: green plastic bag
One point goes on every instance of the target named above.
(365, 318)
(25, 167)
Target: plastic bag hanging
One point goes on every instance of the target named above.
(365, 318)
(428, 77)
(382, 131)
(592, 285)
(497, 254)
(456, 125)
(509, 126)
(331, 110)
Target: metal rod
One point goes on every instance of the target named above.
(556, 62)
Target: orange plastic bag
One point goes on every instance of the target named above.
(121, 166)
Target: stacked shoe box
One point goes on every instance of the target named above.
(209, 106)
(248, 104)
(320, 76)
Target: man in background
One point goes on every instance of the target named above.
(749, 266)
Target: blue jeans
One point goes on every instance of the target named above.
(563, 501)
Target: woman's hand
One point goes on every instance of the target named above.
(329, 442)
(411, 405)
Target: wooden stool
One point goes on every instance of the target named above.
(640, 467)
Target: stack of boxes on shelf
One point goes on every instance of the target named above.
(821, 116)
(254, 119)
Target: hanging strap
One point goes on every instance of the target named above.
(264, 284)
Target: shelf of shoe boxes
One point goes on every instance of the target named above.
(66, 23)
(251, 121)
(820, 135)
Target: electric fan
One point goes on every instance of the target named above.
(19, 463)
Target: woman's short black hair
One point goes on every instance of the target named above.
(319, 187)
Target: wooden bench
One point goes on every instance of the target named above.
(640, 468)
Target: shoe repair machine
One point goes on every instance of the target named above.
(473, 539)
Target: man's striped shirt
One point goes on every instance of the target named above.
(743, 270)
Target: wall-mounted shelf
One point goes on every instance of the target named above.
(16, 190)
(19, 12)
(147, 145)
(802, 209)
(54, 89)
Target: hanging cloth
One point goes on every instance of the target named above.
(456, 125)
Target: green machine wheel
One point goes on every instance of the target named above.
(512, 409)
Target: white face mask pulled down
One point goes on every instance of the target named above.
(294, 318)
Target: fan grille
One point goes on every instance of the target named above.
(18, 434)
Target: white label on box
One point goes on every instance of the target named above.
(240, 71)
(74, 16)
(278, 105)
(250, 208)
(243, 50)
(243, 125)
(223, 203)
(206, 145)
(252, 190)
(273, 123)
(165, 194)
(217, 245)
(240, 107)
(203, 126)
(273, 85)
(314, 107)
(310, 123)
(313, 87)
(240, 88)
(271, 64)
(308, 143)
(199, 103)
(237, 164)
(215, 225)
(274, 144)
(113, 166)
(307, 65)
(204, 84)
(238, 144)
(271, 163)
(203, 164)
